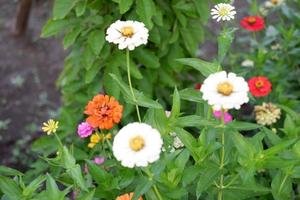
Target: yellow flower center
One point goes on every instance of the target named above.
(251, 20)
(127, 31)
(137, 143)
(223, 11)
(225, 88)
(275, 2)
(259, 84)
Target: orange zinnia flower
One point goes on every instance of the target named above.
(104, 112)
(127, 197)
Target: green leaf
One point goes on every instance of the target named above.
(176, 105)
(224, 42)
(194, 121)
(189, 141)
(147, 58)
(80, 8)
(145, 9)
(62, 8)
(282, 186)
(70, 37)
(33, 186)
(52, 191)
(205, 68)
(53, 27)
(67, 159)
(190, 94)
(142, 100)
(92, 72)
(96, 41)
(87, 196)
(10, 188)
(143, 186)
(280, 147)
(125, 5)
(6, 171)
(244, 147)
(76, 174)
(210, 174)
(243, 126)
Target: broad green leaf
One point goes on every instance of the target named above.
(76, 174)
(33, 186)
(205, 68)
(190, 94)
(96, 41)
(87, 196)
(282, 186)
(53, 27)
(241, 192)
(224, 42)
(125, 5)
(189, 141)
(142, 100)
(71, 36)
(143, 186)
(52, 190)
(147, 58)
(10, 188)
(67, 159)
(99, 174)
(91, 73)
(244, 147)
(280, 147)
(80, 8)
(6, 171)
(145, 9)
(108, 83)
(209, 175)
(62, 8)
(158, 119)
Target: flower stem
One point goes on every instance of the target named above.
(130, 85)
(157, 193)
(221, 184)
(58, 140)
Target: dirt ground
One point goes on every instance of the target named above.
(29, 67)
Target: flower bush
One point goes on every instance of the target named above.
(231, 136)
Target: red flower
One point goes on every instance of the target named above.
(253, 23)
(198, 86)
(260, 86)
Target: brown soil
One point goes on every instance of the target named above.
(29, 67)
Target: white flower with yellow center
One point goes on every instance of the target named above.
(127, 34)
(273, 3)
(225, 91)
(223, 11)
(137, 145)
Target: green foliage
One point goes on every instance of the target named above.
(234, 161)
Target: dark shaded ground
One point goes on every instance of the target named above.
(29, 67)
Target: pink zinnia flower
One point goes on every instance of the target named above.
(227, 116)
(84, 130)
(99, 160)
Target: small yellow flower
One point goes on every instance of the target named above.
(95, 138)
(91, 145)
(50, 126)
(108, 136)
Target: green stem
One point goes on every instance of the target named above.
(58, 139)
(157, 193)
(221, 184)
(130, 85)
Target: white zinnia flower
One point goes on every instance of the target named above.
(273, 3)
(127, 34)
(223, 11)
(137, 144)
(225, 91)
